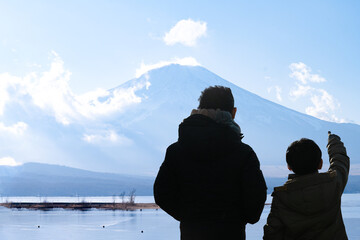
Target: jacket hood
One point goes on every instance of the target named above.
(201, 134)
(309, 194)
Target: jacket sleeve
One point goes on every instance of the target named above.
(274, 228)
(254, 189)
(339, 161)
(166, 187)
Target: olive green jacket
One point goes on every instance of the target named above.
(309, 206)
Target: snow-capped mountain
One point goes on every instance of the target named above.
(268, 127)
(134, 139)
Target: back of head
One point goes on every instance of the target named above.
(303, 156)
(217, 97)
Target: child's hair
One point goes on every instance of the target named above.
(303, 156)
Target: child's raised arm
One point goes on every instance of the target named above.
(339, 161)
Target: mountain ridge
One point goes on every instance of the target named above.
(30, 179)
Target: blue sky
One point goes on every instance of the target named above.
(301, 54)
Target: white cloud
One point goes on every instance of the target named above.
(300, 90)
(90, 106)
(8, 161)
(324, 105)
(302, 73)
(17, 129)
(51, 92)
(187, 61)
(185, 32)
(277, 90)
(107, 137)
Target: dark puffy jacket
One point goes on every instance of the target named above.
(210, 181)
(308, 207)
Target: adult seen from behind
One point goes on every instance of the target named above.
(210, 180)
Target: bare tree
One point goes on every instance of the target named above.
(132, 196)
(122, 196)
(114, 199)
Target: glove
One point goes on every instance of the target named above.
(331, 136)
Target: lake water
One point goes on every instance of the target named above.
(139, 225)
(106, 199)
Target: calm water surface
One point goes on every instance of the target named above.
(146, 224)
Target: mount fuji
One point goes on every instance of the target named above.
(134, 140)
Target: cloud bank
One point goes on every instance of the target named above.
(185, 32)
(50, 91)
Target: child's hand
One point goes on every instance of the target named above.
(330, 135)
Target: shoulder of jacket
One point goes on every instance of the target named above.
(173, 147)
(302, 182)
(332, 173)
(280, 189)
(244, 147)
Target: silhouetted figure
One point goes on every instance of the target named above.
(210, 180)
(308, 205)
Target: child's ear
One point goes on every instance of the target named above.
(320, 164)
(233, 113)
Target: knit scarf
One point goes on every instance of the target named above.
(221, 117)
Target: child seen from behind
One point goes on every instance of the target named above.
(308, 205)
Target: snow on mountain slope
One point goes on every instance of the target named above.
(134, 140)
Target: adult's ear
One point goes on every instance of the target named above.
(233, 112)
(289, 167)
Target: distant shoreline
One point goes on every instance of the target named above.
(79, 206)
(83, 206)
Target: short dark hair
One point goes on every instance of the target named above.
(217, 97)
(303, 156)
